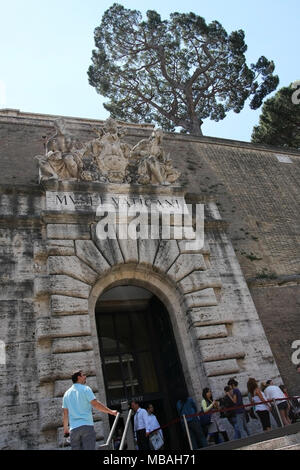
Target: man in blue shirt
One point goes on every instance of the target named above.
(77, 413)
(141, 426)
(186, 406)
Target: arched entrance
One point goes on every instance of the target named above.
(139, 354)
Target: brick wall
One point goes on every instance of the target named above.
(279, 310)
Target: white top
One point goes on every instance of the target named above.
(272, 391)
(216, 423)
(141, 420)
(262, 406)
(153, 424)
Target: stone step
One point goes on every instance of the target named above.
(275, 444)
(272, 444)
(292, 447)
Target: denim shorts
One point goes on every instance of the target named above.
(283, 405)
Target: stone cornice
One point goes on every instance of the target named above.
(21, 221)
(44, 120)
(276, 281)
(190, 198)
(21, 189)
(102, 188)
(68, 217)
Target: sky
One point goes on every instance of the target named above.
(46, 48)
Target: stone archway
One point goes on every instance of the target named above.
(162, 287)
(78, 270)
(139, 354)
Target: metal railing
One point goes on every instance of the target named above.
(183, 418)
(110, 436)
(234, 408)
(126, 429)
(187, 432)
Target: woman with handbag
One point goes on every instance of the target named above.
(215, 427)
(156, 439)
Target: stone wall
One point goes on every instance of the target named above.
(259, 196)
(19, 420)
(255, 193)
(55, 271)
(280, 304)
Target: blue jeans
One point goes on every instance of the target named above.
(241, 424)
(83, 438)
(233, 422)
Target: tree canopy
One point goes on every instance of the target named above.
(279, 122)
(174, 72)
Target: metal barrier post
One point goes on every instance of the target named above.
(127, 434)
(277, 411)
(187, 432)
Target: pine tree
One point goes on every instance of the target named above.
(279, 122)
(175, 72)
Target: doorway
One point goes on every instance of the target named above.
(139, 354)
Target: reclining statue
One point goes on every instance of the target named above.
(61, 161)
(153, 167)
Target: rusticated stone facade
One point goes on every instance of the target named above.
(54, 269)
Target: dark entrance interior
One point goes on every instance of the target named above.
(139, 354)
